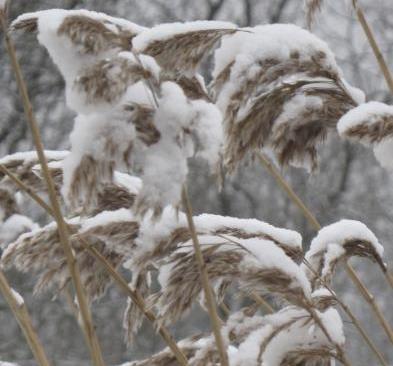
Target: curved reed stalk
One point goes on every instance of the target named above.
(89, 330)
(316, 225)
(21, 314)
(211, 305)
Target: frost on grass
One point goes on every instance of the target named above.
(340, 241)
(279, 87)
(372, 125)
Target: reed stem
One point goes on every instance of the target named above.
(210, 301)
(316, 225)
(89, 329)
(22, 315)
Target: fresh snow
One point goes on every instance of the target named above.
(31, 156)
(367, 113)
(14, 226)
(107, 217)
(268, 41)
(18, 298)
(269, 255)
(340, 232)
(299, 335)
(151, 233)
(164, 31)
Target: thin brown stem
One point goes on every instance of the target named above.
(21, 314)
(350, 314)
(371, 301)
(22, 186)
(138, 301)
(382, 65)
(210, 302)
(316, 225)
(342, 356)
(89, 331)
(134, 295)
(374, 45)
(262, 303)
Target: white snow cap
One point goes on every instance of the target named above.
(153, 233)
(18, 298)
(14, 226)
(340, 232)
(328, 246)
(269, 255)
(165, 31)
(107, 217)
(67, 55)
(297, 336)
(31, 156)
(209, 222)
(268, 41)
(367, 113)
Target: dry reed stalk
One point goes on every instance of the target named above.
(91, 337)
(210, 302)
(27, 189)
(374, 45)
(139, 302)
(341, 353)
(262, 302)
(22, 316)
(350, 314)
(314, 222)
(133, 294)
(311, 8)
(211, 306)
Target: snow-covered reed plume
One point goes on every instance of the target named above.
(372, 125)
(278, 87)
(338, 242)
(142, 111)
